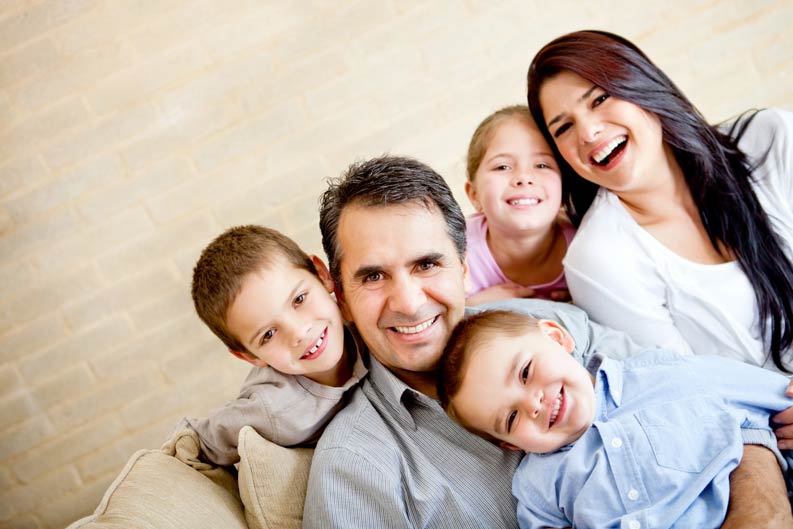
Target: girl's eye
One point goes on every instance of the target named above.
(599, 99)
(511, 420)
(502, 167)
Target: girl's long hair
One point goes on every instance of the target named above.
(717, 172)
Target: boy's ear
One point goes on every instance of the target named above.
(558, 334)
(323, 273)
(248, 357)
(470, 190)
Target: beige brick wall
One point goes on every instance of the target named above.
(133, 132)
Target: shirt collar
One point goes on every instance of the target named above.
(608, 376)
(396, 394)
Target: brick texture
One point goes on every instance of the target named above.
(132, 133)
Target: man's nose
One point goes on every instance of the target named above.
(406, 295)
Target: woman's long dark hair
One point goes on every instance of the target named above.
(717, 172)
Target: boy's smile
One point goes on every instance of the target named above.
(288, 320)
(526, 391)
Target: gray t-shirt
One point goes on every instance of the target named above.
(288, 410)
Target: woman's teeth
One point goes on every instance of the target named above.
(608, 149)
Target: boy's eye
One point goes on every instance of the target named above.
(300, 299)
(267, 336)
(511, 420)
(524, 375)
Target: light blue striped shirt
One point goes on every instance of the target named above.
(393, 459)
(666, 435)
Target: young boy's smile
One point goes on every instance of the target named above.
(526, 391)
(288, 320)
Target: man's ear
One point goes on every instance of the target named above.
(508, 446)
(470, 190)
(467, 275)
(323, 273)
(558, 334)
(248, 357)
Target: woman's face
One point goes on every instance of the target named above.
(606, 140)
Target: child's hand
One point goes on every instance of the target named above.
(561, 295)
(784, 433)
(498, 292)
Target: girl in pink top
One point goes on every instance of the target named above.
(519, 235)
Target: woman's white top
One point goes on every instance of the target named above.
(626, 279)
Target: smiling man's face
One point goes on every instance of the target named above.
(402, 284)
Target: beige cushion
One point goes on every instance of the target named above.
(272, 481)
(168, 489)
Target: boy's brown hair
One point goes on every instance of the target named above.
(470, 334)
(225, 263)
(484, 132)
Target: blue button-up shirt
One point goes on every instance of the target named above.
(666, 435)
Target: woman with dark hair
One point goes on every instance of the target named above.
(685, 228)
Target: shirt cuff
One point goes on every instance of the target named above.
(766, 438)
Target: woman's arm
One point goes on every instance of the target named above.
(758, 496)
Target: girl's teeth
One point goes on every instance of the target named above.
(524, 202)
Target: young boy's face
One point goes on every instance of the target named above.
(288, 320)
(527, 391)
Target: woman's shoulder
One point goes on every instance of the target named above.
(756, 130)
(605, 222)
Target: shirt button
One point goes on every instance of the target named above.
(634, 524)
(616, 442)
(633, 494)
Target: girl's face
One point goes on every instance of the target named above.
(606, 140)
(517, 185)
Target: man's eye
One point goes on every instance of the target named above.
(374, 276)
(511, 420)
(598, 100)
(427, 265)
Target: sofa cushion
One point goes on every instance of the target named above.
(158, 490)
(272, 481)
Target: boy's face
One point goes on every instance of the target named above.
(288, 320)
(527, 391)
(517, 185)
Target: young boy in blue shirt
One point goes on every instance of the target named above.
(648, 441)
(271, 305)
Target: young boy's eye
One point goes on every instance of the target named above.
(524, 375)
(266, 336)
(300, 299)
(511, 420)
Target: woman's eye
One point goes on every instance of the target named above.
(543, 166)
(599, 99)
(511, 420)
(561, 130)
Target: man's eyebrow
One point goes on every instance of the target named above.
(433, 256)
(580, 99)
(366, 271)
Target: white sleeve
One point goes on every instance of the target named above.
(769, 138)
(611, 277)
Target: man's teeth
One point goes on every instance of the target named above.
(608, 149)
(418, 328)
(555, 411)
(524, 202)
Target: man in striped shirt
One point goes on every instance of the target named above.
(395, 241)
